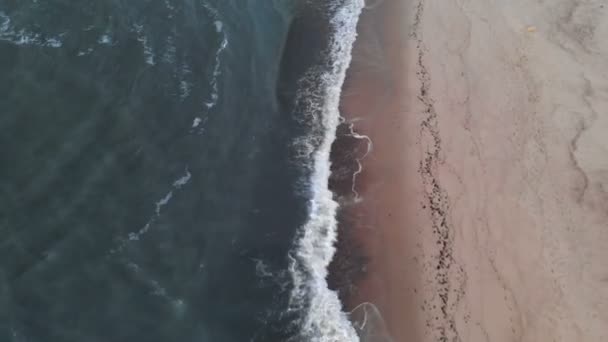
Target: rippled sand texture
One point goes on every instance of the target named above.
(485, 199)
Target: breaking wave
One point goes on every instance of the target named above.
(324, 320)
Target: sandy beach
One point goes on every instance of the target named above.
(484, 210)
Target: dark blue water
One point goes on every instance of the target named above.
(149, 185)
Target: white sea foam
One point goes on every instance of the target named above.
(185, 86)
(214, 95)
(105, 39)
(183, 180)
(6, 23)
(169, 8)
(369, 323)
(262, 270)
(156, 288)
(9, 34)
(196, 122)
(370, 146)
(149, 55)
(177, 184)
(170, 51)
(324, 321)
(163, 202)
(53, 42)
(219, 28)
(85, 52)
(216, 74)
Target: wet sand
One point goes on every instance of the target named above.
(484, 210)
(374, 100)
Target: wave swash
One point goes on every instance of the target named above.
(324, 319)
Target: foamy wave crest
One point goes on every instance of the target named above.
(324, 319)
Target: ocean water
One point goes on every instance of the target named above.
(164, 169)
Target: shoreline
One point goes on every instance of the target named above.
(483, 206)
(372, 103)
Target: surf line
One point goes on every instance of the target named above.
(324, 320)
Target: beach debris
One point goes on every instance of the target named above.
(531, 29)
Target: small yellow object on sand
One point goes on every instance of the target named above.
(531, 29)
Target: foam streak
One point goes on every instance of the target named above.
(370, 146)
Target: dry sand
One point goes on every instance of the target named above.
(485, 199)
